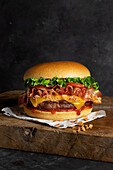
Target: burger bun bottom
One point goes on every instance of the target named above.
(58, 115)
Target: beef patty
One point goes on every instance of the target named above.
(62, 104)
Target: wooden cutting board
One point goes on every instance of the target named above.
(95, 144)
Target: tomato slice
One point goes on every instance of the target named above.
(75, 84)
(42, 86)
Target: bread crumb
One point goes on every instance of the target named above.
(80, 123)
(72, 121)
(57, 124)
(86, 126)
(78, 130)
(18, 114)
(83, 128)
(90, 126)
(74, 131)
(85, 119)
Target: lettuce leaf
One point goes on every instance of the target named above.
(86, 81)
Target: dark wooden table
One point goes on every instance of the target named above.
(95, 144)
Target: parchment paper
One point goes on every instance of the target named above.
(13, 112)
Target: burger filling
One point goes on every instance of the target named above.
(62, 104)
(70, 95)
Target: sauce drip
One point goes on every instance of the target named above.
(63, 110)
(67, 110)
(33, 110)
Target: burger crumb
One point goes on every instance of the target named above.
(85, 119)
(80, 123)
(72, 121)
(74, 131)
(78, 130)
(18, 114)
(90, 126)
(83, 128)
(57, 124)
(73, 127)
(86, 126)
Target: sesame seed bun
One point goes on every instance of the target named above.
(62, 69)
(57, 115)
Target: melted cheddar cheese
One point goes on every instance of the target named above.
(75, 100)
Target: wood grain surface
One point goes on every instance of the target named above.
(95, 144)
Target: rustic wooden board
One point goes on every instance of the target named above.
(95, 144)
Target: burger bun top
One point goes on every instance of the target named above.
(62, 69)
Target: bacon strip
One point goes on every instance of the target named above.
(58, 89)
(39, 92)
(71, 89)
(23, 100)
(79, 90)
(52, 92)
(94, 96)
(45, 93)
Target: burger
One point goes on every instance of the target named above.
(59, 90)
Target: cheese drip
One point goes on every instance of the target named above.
(75, 100)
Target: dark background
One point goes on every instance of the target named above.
(35, 31)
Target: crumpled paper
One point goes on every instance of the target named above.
(13, 112)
